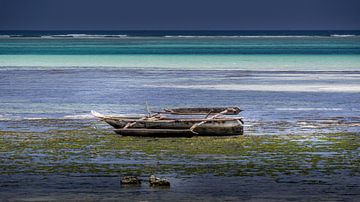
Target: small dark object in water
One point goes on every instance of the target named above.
(155, 181)
(130, 180)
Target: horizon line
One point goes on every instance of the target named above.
(126, 30)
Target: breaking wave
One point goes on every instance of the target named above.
(90, 36)
(309, 109)
(343, 35)
(84, 36)
(243, 36)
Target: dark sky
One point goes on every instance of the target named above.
(179, 14)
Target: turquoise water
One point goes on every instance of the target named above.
(299, 80)
(184, 52)
(234, 62)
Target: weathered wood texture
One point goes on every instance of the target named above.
(211, 127)
(204, 110)
(154, 132)
(159, 125)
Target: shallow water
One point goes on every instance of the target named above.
(192, 188)
(297, 90)
(82, 160)
(287, 82)
(273, 102)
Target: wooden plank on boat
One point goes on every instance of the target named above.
(208, 119)
(154, 132)
(203, 110)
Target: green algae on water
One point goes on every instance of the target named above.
(87, 150)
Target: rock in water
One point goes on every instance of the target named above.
(155, 181)
(130, 180)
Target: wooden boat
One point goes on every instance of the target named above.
(158, 125)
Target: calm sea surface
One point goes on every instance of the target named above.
(293, 81)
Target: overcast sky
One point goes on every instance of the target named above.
(179, 14)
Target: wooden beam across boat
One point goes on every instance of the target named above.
(203, 110)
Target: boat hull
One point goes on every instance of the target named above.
(143, 132)
(176, 127)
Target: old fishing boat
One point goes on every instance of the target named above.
(213, 121)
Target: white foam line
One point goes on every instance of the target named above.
(79, 116)
(271, 87)
(251, 36)
(309, 109)
(88, 35)
(176, 36)
(343, 35)
(34, 118)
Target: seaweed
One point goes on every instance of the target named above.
(87, 150)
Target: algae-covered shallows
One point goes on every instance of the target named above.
(87, 150)
(81, 159)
